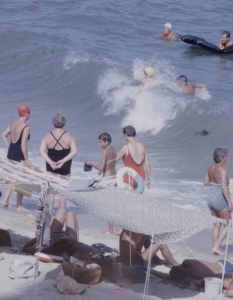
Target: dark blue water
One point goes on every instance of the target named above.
(86, 59)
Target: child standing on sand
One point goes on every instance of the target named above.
(107, 163)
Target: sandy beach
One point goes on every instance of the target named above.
(21, 227)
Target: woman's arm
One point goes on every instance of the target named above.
(24, 143)
(122, 153)
(73, 152)
(207, 179)
(224, 184)
(147, 166)
(42, 151)
(5, 134)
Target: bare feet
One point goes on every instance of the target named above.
(6, 204)
(118, 231)
(107, 232)
(217, 251)
(21, 209)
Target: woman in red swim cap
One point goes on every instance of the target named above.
(19, 133)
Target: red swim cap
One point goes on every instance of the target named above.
(23, 109)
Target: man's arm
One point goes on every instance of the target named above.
(99, 166)
(160, 274)
(199, 85)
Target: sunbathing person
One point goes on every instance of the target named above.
(193, 272)
(137, 242)
(68, 240)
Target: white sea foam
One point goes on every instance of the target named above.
(72, 58)
(150, 107)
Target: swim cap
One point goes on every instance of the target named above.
(23, 109)
(149, 71)
(168, 25)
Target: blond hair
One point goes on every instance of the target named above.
(59, 120)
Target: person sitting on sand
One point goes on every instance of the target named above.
(135, 255)
(189, 88)
(224, 40)
(107, 165)
(167, 33)
(219, 200)
(193, 272)
(148, 75)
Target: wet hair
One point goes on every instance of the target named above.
(105, 137)
(183, 77)
(129, 131)
(59, 120)
(227, 33)
(219, 154)
(178, 273)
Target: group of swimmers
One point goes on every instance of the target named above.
(182, 81)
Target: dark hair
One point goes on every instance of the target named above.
(219, 154)
(178, 273)
(227, 33)
(105, 137)
(129, 131)
(183, 77)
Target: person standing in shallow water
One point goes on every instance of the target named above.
(134, 155)
(19, 133)
(219, 200)
(61, 148)
(107, 163)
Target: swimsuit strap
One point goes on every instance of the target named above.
(21, 133)
(57, 140)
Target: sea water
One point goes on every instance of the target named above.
(86, 59)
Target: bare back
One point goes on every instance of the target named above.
(137, 151)
(200, 269)
(214, 173)
(60, 135)
(110, 162)
(16, 128)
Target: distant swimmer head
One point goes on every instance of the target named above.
(23, 110)
(182, 80)
(59, 120)
(219, 154)
(168, 25)
(149, 72)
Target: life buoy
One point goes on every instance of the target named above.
(194, 40)
(126, 170)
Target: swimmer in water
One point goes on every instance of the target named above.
(167, 33)
(148, 75)
(189, 88)
(224, 40)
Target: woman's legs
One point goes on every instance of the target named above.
(223, 214)
(216, 227)
(62, 201)
(5, 201)
(58, 221)
(19, 204)
(72, 225)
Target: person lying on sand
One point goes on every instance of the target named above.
(68, 240)
(137, 242)
(193, 272)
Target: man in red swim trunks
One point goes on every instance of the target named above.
(134, 155)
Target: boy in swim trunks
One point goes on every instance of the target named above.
(107, 163)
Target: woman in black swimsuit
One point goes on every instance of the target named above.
(17, 148)
(61, 148)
